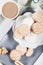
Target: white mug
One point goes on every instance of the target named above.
(12, 17)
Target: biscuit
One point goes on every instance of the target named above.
(29, 52)
(4, 50)
(22, 31)
(37, 28)
(18, 63)
(21, 50)
(38, 16)
(17, 34)
(14, 55)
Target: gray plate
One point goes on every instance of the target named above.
(10, 44)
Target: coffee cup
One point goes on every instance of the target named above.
(10, 10)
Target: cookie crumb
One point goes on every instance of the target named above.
(18, 63)
(29, 52)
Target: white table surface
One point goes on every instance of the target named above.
(40, 60)
(5, 25)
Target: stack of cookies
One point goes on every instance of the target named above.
(17, 53)
(37, 27)
(29, 27)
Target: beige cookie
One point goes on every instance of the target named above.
(4, 50)
(14, 55)
(22, 31)
(18, 34)
(29, 52)
(18, 63)
(37, 28)
(21, 50)
(38, 16)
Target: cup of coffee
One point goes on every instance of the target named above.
(10, 10)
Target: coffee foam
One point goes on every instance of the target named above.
(10, 10)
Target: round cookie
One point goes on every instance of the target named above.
(22, 31)
(38, 16)
(29, 52)
(14, 55)
(37, 28)
(17, 34)
(21, 50)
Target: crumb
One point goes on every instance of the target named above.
(3, 51)
(29, 52)
(18, 63)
